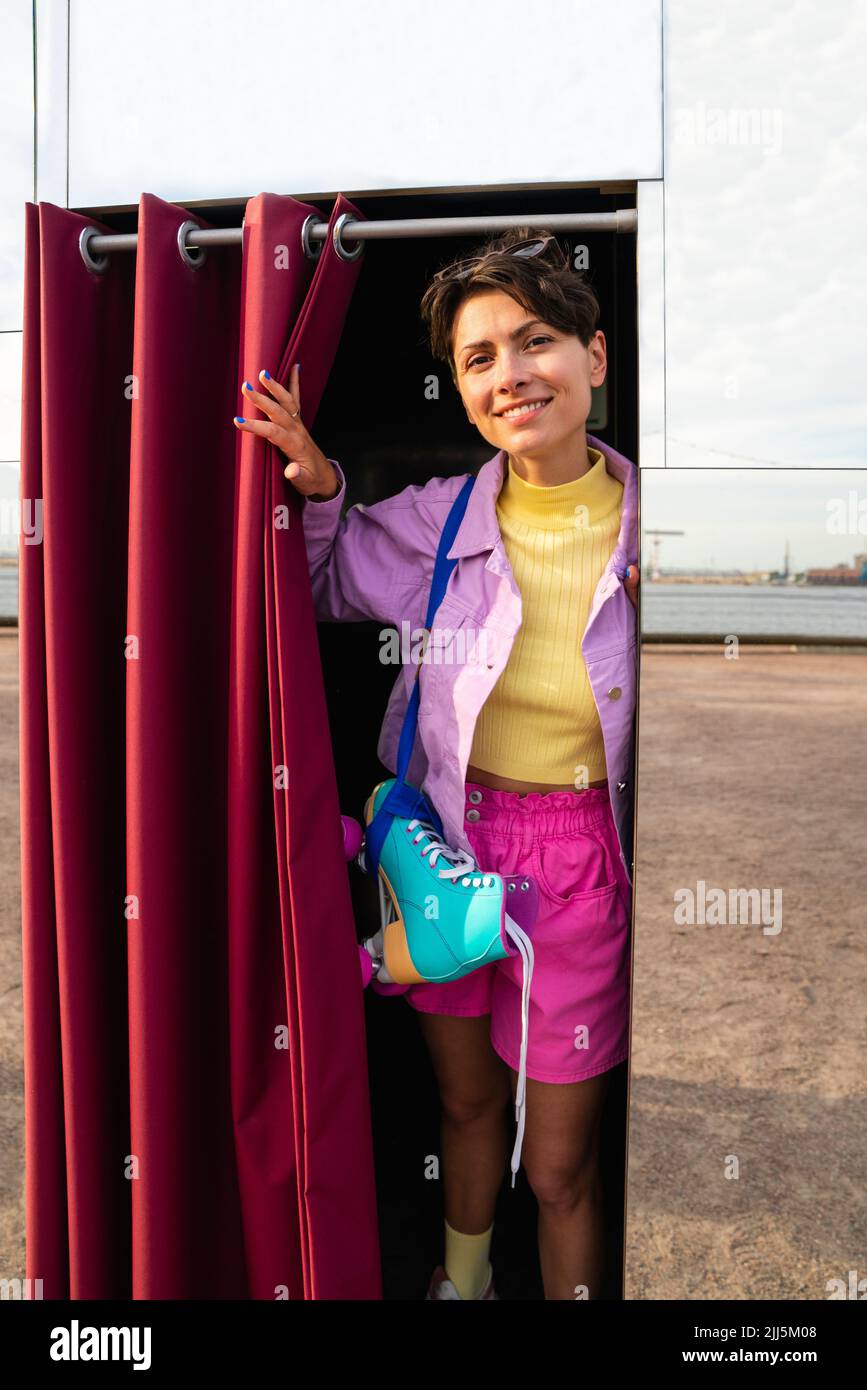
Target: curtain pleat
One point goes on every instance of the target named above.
(328, 1071)
(186, 1230)
(72, 623)
(314, 1034)
(196, 1107)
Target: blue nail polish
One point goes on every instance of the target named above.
(239, 420)
(266, 375)
(247, 386)
(628, 568)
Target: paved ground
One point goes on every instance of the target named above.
(747, 1046)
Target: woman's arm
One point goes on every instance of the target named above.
(367, 563)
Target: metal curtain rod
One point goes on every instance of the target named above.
(349, 229)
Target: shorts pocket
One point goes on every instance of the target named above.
(575, 867)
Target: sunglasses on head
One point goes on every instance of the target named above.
(533, 246)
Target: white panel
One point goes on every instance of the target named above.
(766, 290)
(651, 326)
(11, 513)
(52, 56)
(212, 98)
(10, 448)
(16, 152)
(10, 396)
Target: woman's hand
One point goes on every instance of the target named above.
(630, 584)
(307, 469)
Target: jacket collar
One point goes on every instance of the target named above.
(479, 530)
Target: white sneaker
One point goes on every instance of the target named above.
(441, 1286)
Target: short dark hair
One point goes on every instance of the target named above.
(557, 294)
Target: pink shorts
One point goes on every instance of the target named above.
(579, 995)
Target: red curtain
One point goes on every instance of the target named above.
(196, 1103)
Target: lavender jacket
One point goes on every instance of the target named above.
(376, 563)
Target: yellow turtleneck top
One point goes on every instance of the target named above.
(540, 722)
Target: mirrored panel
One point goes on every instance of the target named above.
(213, 99)
(10, 397)
(16, 152)
(766, 292)
(749, 1012)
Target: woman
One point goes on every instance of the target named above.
(532, 744)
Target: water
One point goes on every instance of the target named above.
(717, 609)
(9, 591)
(741, 609)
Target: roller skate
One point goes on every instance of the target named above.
(440, 916)
(440, 920)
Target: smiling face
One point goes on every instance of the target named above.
(526, 386)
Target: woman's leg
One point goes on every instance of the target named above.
(560, 1156)
(474, 1094)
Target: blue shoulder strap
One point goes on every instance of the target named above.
(403, 800)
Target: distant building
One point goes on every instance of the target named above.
(840, 574)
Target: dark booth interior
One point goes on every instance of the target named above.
(376, 420)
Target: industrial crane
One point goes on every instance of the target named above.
(654, 548)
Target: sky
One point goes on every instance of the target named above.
(741, 518)
(765, 202)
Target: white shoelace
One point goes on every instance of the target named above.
(463, 862)
(525, 946)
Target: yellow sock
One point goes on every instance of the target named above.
(466, 1262)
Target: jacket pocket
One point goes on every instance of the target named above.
(458, 637)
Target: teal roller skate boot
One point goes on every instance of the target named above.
(440, 916)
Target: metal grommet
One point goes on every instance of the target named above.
(312, 250)
(475, 797)
(474, 815)
(99, 262)
(525, 886)
(343, 221)
(194, 256)
(511, 887)
(621, 786)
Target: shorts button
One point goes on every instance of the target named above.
(474, 815)
(475, 797)
(615, 692)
